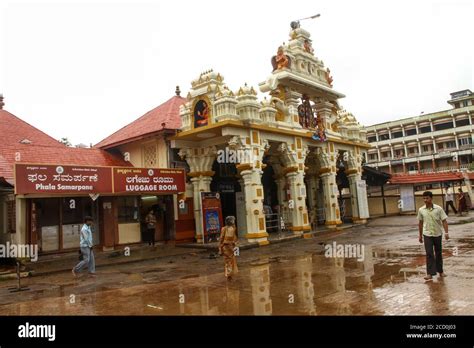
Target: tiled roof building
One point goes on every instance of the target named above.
(23, 143)
(163, 117)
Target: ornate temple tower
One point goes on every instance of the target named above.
(294, 136)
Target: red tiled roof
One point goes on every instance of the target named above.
(428, 178)
(13, 130)
(165, 116)
(6, 170)
(43, 149)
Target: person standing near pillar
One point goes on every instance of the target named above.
(430, 219)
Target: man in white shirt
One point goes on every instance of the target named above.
(86, 249)
(449, 198)
(431, 218)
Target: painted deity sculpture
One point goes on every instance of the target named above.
(280, 60)
(307, 46)
(329, 78)
(305, 113)
(201, 114)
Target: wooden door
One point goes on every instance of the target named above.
(185, 227)
(108, 221)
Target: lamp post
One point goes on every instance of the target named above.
(296, 24)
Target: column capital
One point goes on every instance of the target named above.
(352, 172)
(290, 170)
(194, 175)
(199, 159)
(325, 172)
(354, 160)
(323, 105)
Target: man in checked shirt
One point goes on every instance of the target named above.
(431, 217)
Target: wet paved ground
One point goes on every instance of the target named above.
(293, 278)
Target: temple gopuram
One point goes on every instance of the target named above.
(280, 152)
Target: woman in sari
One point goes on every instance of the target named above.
(461, 202)
(227, 243)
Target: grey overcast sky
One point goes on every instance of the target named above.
(83, 69)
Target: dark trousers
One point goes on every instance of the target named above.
(151, 236)
(448, 204)
(434, 256)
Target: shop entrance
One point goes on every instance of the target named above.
(163, 210)
(55, 223)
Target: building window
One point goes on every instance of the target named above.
(410, 131)
(426, 148)
(397, 135)
(373, 157)
(412, 150)
(465, 141)
(127, 209)
(456, 105)
(450, 144)
(464, 103)
(412, 167)
(399, 153)
(385, 155)
(384, 137)
(425, 129)
(464, 122)
(442, 126)
(74, 210)
(149, 156)
(372, 139)
(397, 169)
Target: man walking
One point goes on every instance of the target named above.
(449, 198)
(86, 248)
(431, 217)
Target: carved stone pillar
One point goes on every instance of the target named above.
(251, 169)
(324, 111)
(327, 175)
(200, 161)
(253, 191)
(294, 157)
(312, 186)
(354, 174)
(201, 183)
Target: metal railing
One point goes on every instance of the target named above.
(448, 169)
(275, 223)
(342, 209)
(321, 215)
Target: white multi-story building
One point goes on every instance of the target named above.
(430, 143)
